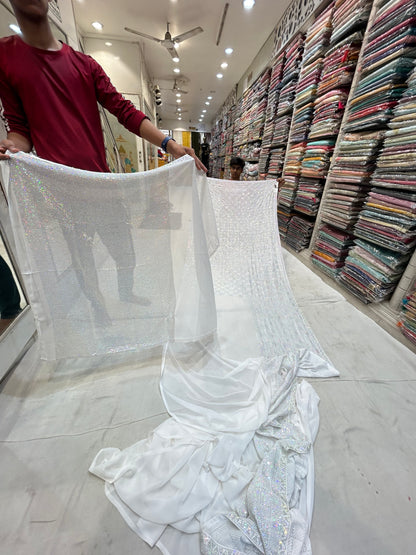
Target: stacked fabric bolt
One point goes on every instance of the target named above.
(281, 130)
(268, 133)
(283, 217)
(388, 220)
(349, 15)
(316, 42)
(328, 112)
(349, 178)
(308, 196)
(387, 61)
(263, 162)
(407, 322)
(317, 157)
(396, 164)
(342, 205)
(372, 272)
(275, 162)
(330, 250)
(299, 233)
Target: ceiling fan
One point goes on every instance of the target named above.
(176, 89)
(169, 42)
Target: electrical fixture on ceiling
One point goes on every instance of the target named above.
(175, 89)
(169, 42)
(248, 4)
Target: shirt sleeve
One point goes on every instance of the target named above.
(11, 109)
(114, 102)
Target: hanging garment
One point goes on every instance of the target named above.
(232, 468)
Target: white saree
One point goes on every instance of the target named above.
(169, 262)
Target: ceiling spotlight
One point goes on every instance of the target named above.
(108, 43)
(15, 28)
(224, 65)
(219, 76)
(248, 4)
(176, 70)
(175, 59)
(179, 109)
(179, 118)
(176, 44)
(97, 25)
(178, 100)
(204, 111)
(200, 120)
(207, 103)
(178, 95)
(229, 51)
(209, 97)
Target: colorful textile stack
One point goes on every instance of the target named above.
(275, 162)
(387, 61)
(317, 157)
(407, 322)
(299, 233)
(349, 15)
(308, 196)
(371, 272)
(316, 42)
(287, 90)
(272, 101)
(396, 164)
(330, 250)
(349, 178)
(389, 220)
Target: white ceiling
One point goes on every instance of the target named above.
(200, 57)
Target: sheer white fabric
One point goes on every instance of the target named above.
(123, 263)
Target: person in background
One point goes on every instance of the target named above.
(49, 93)
(236, 168)
(9, 294)
(205, 152)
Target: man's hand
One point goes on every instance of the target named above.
(6, 144)
(14, 142)
(179, 150)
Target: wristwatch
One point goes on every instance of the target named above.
(165, 142)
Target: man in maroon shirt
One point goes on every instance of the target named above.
(49, 94)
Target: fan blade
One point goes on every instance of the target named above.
(142, 34)
(188, 34)
(180, 91)
(172, 51)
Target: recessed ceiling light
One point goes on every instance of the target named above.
(209, 97)
(176, 70)
(97, 25)
(178, 95)
(15, 28)
(179, 109)
(176, 44)
(178, 100)
(179, 119)
(108, 43)
(248, 4)
(204, 111)
(207, 103)
(224, 65)
(175, 59)
(229, 51)
(200, 120)
(219, 76)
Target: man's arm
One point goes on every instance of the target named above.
(132, 119)
(155, 136)
(14, 143)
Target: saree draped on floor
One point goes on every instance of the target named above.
(171, 260)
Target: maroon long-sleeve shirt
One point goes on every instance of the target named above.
(51, 98)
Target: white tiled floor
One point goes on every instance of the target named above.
(53, 423)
